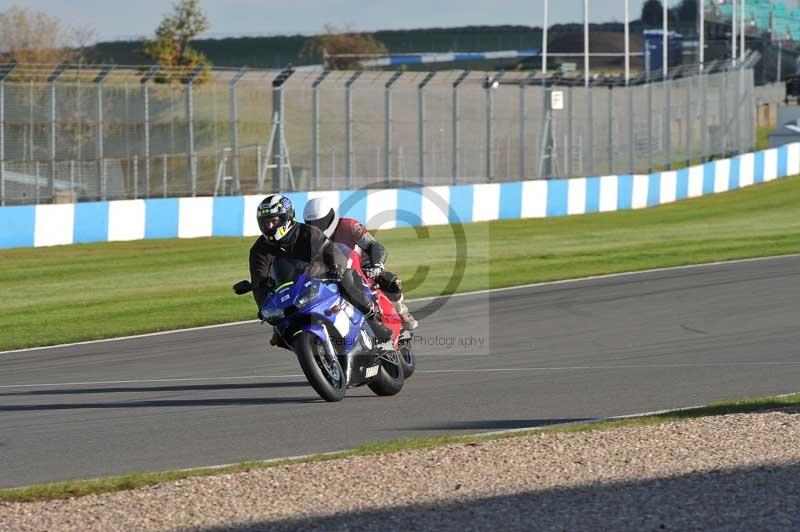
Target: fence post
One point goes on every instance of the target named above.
(5, 70)
(738, 108)
(234, 118)
(145, 89)
(30, 121)
(489, 132)
(522, 113)
(2, 142)
(188, 81)
(279, 138)
(610, 129)
(135, 161)
(127, 136)
(259, 168)
(569, 147)
(421, 123)
(723, 113)
(631, 127)
(649, 123)
(348, 127)
(588, 168)
(546, 140)
(668, 123)
(490, 84)
(457, 126)
(689, 121)
(703, 120)
(522, 119)
(51, 79)
(387, 126)
(164, 175)
(315, 128)
(101, 165)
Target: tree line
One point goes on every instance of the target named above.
(27, 36)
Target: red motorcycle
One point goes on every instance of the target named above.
(401, 338)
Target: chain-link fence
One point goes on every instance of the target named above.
(251, 132)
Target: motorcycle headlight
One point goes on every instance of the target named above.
(307, 296)
(271, 314)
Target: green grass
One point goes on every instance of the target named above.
(80, 488)
(762, 137)
(89, 291)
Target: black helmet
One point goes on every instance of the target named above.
(275, 206)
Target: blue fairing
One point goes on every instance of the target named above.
(306, 304)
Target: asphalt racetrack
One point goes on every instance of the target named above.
(507, 359)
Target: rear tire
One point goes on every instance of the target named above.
(390, 378)
(407, 359)
(324, 375)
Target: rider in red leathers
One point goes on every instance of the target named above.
(321, 213)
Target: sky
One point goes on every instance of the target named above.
(116, 19)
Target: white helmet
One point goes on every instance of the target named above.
(321, 213)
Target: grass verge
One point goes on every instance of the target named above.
(63, 490)
(89, 291)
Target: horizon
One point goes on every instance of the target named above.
(115, 21)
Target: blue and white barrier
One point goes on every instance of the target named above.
(49, 225)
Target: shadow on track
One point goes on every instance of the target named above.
(179, 388)
(162, 403)
(758, 498)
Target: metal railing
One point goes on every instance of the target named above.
(113, 133)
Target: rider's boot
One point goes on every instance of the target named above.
(373, 317)
(409, 322)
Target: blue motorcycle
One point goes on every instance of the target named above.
(333, 342)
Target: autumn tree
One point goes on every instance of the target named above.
(687, 11)
(170, 48)
(28, 36)
(652, 13)
(333, 42)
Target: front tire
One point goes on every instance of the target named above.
(323, 373)
(390, 378)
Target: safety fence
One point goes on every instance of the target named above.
(399, 206)
(120, 134)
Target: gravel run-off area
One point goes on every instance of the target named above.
(733, 472)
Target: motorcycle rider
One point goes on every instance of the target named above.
(282, 236)
(321, 213)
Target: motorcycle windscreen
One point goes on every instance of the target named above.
(286, 270)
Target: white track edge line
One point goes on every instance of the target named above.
(477, 434)
(420, 371)
(458, 294)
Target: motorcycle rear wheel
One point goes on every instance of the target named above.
(323, 373)
(407, 359)
(390, 378)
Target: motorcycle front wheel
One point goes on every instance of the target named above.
(323, 372)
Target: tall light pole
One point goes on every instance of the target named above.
(544, 41)
(665, 38)
(586, 43)
(742, 32)
(733, 34)
(701, 31)
(627, 45)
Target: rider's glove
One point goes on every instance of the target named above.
(242, 287)
(374, 271)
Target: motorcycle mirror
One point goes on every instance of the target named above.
(242, 287)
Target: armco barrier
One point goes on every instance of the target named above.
(49, 225)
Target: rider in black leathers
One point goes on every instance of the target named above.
(282, 236)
